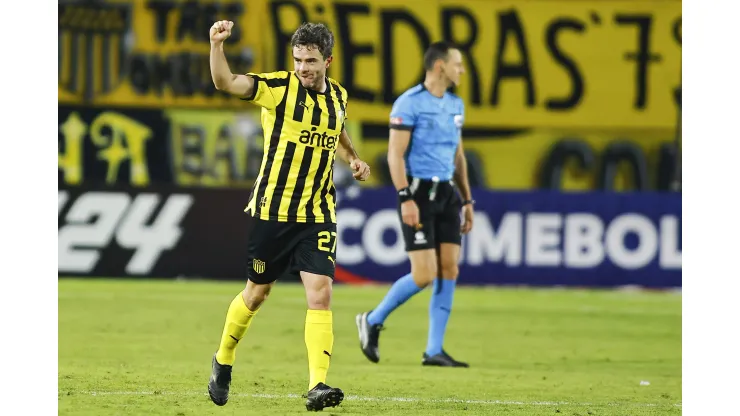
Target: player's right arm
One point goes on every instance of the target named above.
(223, 79)
(402, 123)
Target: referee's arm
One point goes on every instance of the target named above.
(397, 145)
(461, 179)
(461, 173)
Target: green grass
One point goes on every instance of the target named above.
(144, 348)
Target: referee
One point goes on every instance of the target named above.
(428, 168)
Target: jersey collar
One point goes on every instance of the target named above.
(326, 79)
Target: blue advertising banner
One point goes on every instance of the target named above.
(527, 238)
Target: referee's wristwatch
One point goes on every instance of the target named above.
(468, 201)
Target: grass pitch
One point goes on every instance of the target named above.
(145, 347)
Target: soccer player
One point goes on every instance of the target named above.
(293, 198)
(425, 154)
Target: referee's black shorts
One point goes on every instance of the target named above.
(439, 215)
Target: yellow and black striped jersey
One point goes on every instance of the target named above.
(301, 131)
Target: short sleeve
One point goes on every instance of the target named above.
(342, 100)
(269, 88)
(345, 104)
(460, 116)
(402, 114)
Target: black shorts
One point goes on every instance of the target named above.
(439, 217)
(279, 248)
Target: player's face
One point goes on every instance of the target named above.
(453, 68)
(310, 65)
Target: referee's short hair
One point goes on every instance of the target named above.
(435, 51)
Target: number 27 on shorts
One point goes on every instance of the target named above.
(325, 241)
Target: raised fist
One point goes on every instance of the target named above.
(221, 30)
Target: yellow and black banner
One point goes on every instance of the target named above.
(545, 63)
(537, 63)
(150, 53)
(554, 89)
(143, 147)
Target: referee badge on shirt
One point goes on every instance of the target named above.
(458, 120)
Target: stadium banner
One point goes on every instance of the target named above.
(160, 231)
(546, 63)
(139, 147)
(223, 148)
(527, 238)
(537, 63)
(151, 53)
(568, 160)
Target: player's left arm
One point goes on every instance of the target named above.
(461, 180)
(346, 152)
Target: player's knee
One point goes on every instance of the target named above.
(254, 300)
(266, 294)
(255, 295)
(318, 290)
(319, 298)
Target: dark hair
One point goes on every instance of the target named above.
(435, 51)
(314, 35)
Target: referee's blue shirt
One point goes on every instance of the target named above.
(436, 126)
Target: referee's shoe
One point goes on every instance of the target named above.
(442, 360)
(368, 337)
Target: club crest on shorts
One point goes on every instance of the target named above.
(420, 238)
(258, 266)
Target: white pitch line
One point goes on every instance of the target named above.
(376, 399)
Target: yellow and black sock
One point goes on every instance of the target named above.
(238, 319)
(319, 337)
